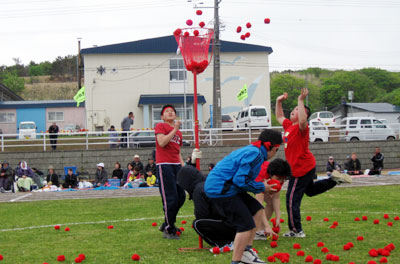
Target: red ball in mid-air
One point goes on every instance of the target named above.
(189, 22)
(248, 25)
(199, 12)
(267, 20)
(239, 29)
(202, 24)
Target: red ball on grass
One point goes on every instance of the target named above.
(364, 218)
(61, 258)
(154, 224)
(300, 253)
(267, 20)
(376, 221)
(326, 219)
(396, 218)
(271, 259)
(182, 229)
(335, 223)
(199, 12)
(135, 257)
(82, 256)
(371, 262)
(390, 224)
(216, 250)
(380, 250)
(1, 257)
(67, 229)
(320, 244)
(273, 221)
(57, 227)
(383, 260)
(352, 262)
(189, 22)
(350, 244)
(275, 238)
(226, 249)
(357, 219)
(332, 227)
(309, 259)
(324, 250)
(202, 24)
(317, 261)
(178, 233)
(282, 220)
(273, 244)
(110, 227)
(308, 218)
(78, 260)
(335, 258)
(248, 25)
(386, 216)
(329, 256)
(238, 29)
(373, 253)
(385, 253)
(276, 229)
(346, 247)
(296, 246)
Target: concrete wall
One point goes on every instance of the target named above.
(87, 160)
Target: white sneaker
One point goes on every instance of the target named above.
(300, 234)
(250, 257)
(341, 177)
(260, 235)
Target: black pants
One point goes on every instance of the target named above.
(4, 182)
(296, 189)
(214, 232)
(376, 170)
(53, 142)
(124, 140)
(172, 195)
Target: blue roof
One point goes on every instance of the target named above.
(39, 104)
(161, 99)
(167, 44)
(376, 107)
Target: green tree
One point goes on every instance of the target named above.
(386, 80)
(393, 97)
(12, 81)
(281, 83)
(337, 86)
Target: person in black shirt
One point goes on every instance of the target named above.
(53, 131)
(150, 166)
(71, 181)
(331, 166)
(52, 177)
(354, 165)
(377, 162)
(117, 172)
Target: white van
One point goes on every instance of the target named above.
(364, 128)
(318, 131)
(325, 117)
(27, 130)
(253, 116)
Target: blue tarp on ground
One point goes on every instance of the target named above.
(394, 173)
(105, 188)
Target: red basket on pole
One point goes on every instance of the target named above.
(195, 45)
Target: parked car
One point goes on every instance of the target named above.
(318, 131)
(253, 116)
(226, 123)
(364, 128)
(27, 130)
(146, 139)
(326, 117)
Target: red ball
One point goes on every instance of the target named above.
(202, 24)
(199, 12)
(267, 20)
(226, 249)
(386, 216)
(335, 223)
(186, 34)
(216, 250)
(352, 262)
(320, 244)
(78, 260)
(275, 238)
(278, 185)
(309, 259)
(324, 250)
(178, 233)
(273, 244)
(182, 229)
(242, 37)
(326, 219)
(390, 224)
(271, 259)
(391, 245)
(67, 229)
(335, 258)
(380, 250)
(296, 246)
(346, 247)
(110, 227)
(1, 257)
(396, 218)
(376, 221)
(357, 219)
(135, 257)
(282, 220)
(371, 262)
(300, 253)
(373, 253)
(177, 32)
(196, 33)
(383, 260)
(82, 256)
(248, 25)
(247, 35)
(61, 258)
(273, 221)
(189, 22)
(364, 218)
(154, 224)
(317, 261)
(385, 253)
(360, 238)
(276, 229)
(329, 256)
(238, 29)
(350, 244)
(308, 218)
(332, 227)
(57, 227)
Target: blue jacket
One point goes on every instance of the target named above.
(236, 173)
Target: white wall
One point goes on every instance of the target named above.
(116, 93)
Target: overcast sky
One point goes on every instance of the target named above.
(334, 34)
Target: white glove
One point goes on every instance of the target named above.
(196, 154)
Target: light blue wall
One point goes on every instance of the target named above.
(146, 116)
(37, 115)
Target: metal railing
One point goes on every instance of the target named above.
(142, 138)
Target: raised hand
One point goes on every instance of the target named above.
(282, 97)
(177, 124)
(303, 94)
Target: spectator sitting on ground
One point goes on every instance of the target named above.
(113, 140)
(331, 166)
(137, 163)
(24, 183)
(52, 177)
(150, 166)
(38, 177)
(101, 176)
(377, 162)
(117, 172)
(71, 181)
(151, 178)
(127, 173)
(24, 170)
(354, 165)
(7, 176)
(211, 166)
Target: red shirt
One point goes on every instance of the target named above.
(170, 154)
(263, 175)
(297, 151)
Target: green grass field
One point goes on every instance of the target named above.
(133, 232)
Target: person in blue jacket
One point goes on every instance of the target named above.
(227, 186)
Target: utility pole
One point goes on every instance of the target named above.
(216, 70)
(78, 64)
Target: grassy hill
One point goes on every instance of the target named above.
(44, 88)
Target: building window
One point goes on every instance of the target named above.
(177, 70)
(56, 116)
(7, 117)
(156, 115)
